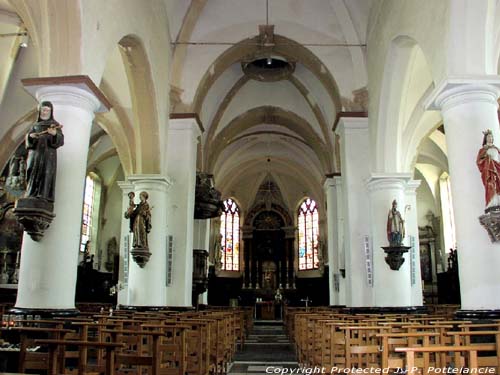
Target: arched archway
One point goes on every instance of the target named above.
(407, 80)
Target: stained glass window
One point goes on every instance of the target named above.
(90, 216)
(230, 236)
(308, 228)
(88, 205)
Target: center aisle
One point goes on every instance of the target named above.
(267, 347)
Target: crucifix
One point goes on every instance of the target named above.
(307, 300)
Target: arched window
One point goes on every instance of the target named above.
(308, 224)
(230, 236)
(90, 211)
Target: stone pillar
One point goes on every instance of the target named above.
(290, 251)
(147, 285)
(125, 245)
(354, 154)
(469, 107)
(392, 288)
(332, 183)
(339, 230)
(182, 147)
(247, 238)
(411, 225)
(47, 276)
(201, 240)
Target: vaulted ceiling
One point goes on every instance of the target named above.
(255, 127)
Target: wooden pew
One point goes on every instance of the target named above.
(468, 359)
(362, 346)
(137, 350)
(30, 359)
(464, 338)
(390, 341)
(57, 366)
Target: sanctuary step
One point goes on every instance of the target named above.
(267, 347)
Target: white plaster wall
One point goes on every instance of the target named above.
(292, 187)
(223, 21)
(104, 145)
(339, 63)
(101, 33)
(425, 203)
(424, 21)
(260, 148)
(359, 12)
(318, 93)
(270, 127)
(279, 94)
(8, 48)
(116, 77)
(17, 102)
(217, 93)
(251, 151)
(112, 216)
(417, 81)
(176, 11)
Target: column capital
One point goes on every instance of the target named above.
(346, 124)
(186, 122)
(246, 232)
(412, 186)
(77, 91)
(126, 186)
(153, 182)
(458, 90)
(382, 181)
(289, 232)
(332, 180)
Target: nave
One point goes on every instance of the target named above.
(266, 349)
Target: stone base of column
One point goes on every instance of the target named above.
(478, 315)
(387, 310)
(43, 313)
(155, 308)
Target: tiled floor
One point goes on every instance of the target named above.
(266, 350)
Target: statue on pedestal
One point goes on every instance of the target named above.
(140, 226)
(488, 162)
(395, 226)
(395, 235)
(35, 210)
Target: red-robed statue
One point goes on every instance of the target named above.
(488, 162)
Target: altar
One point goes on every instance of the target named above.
(268, 310)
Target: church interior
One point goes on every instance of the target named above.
(197, 181)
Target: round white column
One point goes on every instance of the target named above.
(330, 187)
(411, 226)
(392, 288)
(47, 276)
(468, 109)
(201, 240)
(182, 147)
(125, 244)
(147, 285)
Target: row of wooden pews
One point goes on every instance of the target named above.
(126, 342)
(419, 344)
